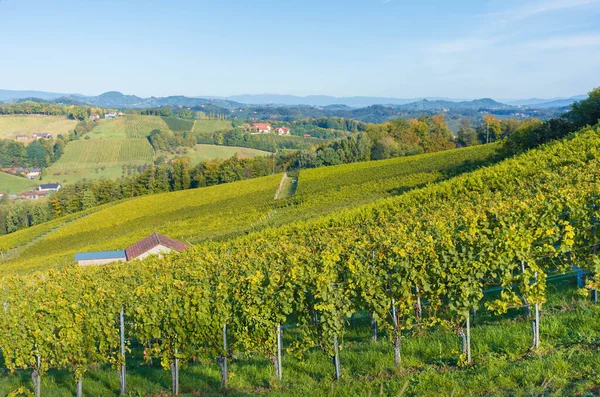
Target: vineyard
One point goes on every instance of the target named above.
(422, 265)
(178, 125)
(239, 207)
(105, 151)
(141, 126)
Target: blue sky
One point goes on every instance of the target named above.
(398, 48)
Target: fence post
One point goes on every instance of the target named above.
(122, 372)
(279, 345)
(336, 358)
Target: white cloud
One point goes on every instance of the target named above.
(463, 45)
(541, 7)
(566, 42)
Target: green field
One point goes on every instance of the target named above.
(14, 125)
(96, 158)
(128, 126)
(209, 126)
(15, 184)
(230, 209)
(202, 152)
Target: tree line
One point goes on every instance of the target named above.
(49, 109)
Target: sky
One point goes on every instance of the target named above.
(504, 49)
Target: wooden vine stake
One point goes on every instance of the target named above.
(36, 378)
(468, 338)
(175, 373)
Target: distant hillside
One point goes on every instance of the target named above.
(439, 105)
(7, 95)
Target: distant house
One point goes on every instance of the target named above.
(100, 258)
(110, 115)
(261, 127)
(40, 135)
(282, 131)
(22, 138)
(34, 195)
(33, 173)
(307, 135)
(154, 244)
(94, 116)
(55, 187)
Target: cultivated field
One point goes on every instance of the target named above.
(97, 158)
(203, 152)
(14, 125)
(129, 126)
(15, 184)
(208, 126)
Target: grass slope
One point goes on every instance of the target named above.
(96, 158)
(13, 125)
(208, 126)
(230, 209)
(202, 152)
(14, 184)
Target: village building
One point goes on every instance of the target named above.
(33, 173)
(110, 115)
(94, 116)
(261, 127)
(154, 244)
(307, 135)
(34, 195)
(22, 138)
(282, 131)
(55, 187)
(40, 135)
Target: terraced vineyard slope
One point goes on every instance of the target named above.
(230, 209)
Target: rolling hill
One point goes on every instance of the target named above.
(14, 125)
(221, 211)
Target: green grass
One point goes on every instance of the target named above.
(566, 364)
(208, 126)
(20, 124)
(180, 125)
(204, 152)
(98, 158)
(109, 129)
(230, 209)
(15, 184)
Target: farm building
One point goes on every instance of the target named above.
(282, 131)
(22, 138)
(33, 173)
(110, 115)
(100, 258)
(154, 244)
(34, 195)
(261, 127)
(94, 116)
(55, 187)
(40, 135)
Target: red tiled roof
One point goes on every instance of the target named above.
(152, 241)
